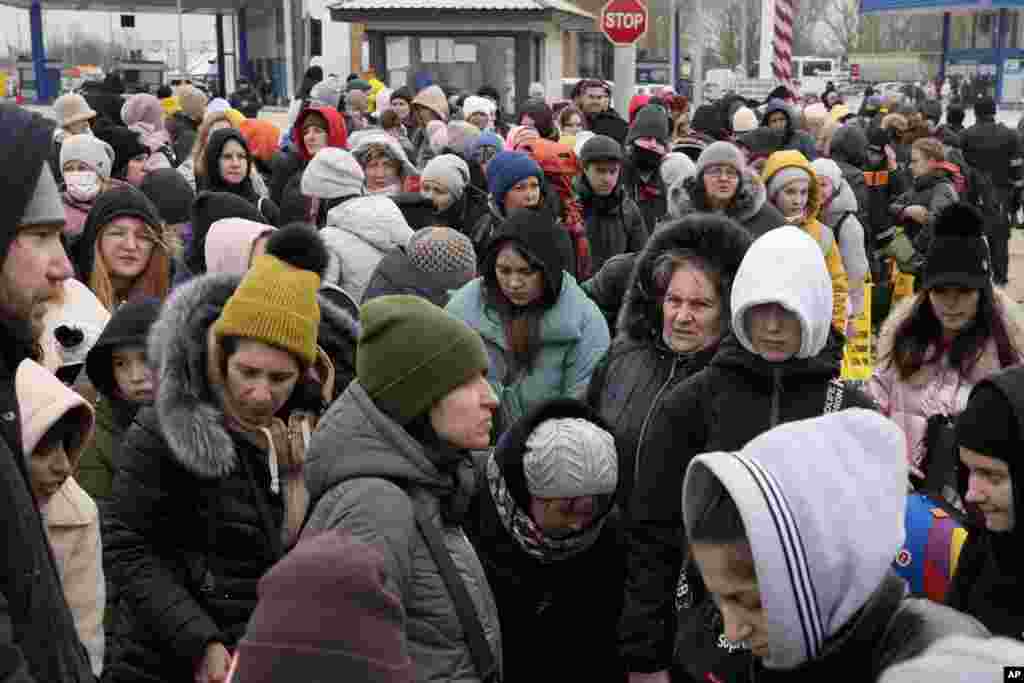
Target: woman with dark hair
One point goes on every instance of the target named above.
(956, 331)
(543, 334)
(674, 314)
(228, 168)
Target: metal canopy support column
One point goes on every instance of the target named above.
(946, 21)
(1004, 22)
(35, 16)
(221, 71)
(182, 57)
(243, 44)
(289, 50)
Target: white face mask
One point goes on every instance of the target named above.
(83, 186)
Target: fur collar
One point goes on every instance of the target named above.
(750, 197)
(1013, 316)
(191, 418)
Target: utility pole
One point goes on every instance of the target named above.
(743, 38)
(698, 53)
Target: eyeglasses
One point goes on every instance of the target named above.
(727, 172)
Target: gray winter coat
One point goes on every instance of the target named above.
(366, 474)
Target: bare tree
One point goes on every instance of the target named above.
(730, 29)
(841, 20)
(807, 16)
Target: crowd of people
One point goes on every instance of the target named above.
(418, 390)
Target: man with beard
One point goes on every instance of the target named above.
(38, 641)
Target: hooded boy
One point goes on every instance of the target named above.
(779, 116)
(118, 369)
(793, 189)
(647, 143)
(989, 574)
(821, 547)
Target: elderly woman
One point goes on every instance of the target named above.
(210, 493)
(777, 366)
(383, 160)
(675, 314)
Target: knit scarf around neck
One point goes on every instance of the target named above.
(525, 531)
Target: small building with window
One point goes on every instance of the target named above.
(464, 44)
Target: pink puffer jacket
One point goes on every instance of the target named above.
(937, 388)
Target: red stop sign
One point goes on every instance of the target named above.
(624, 21)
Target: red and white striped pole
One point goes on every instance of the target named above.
(782, 63)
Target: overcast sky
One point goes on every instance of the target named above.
(147, 26)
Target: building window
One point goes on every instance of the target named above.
(596, 57)
(459, 63)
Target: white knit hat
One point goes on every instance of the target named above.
(829, 169)
(98, 154)
(72, 108)
(744, 120)
(568, 458)
(475, 104)
(333, 173)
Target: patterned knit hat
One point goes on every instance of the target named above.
(276, 304)
(442, 250)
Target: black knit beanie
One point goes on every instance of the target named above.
(171, 194)
(958, 254)
(988, 425)
(127, 145)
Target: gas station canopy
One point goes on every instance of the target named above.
(904, 6)
(140, 6)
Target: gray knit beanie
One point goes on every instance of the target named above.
(721, 153)
(568, 458)
(327, 92)
(676, 166)
(98, 154)
(600, 148)
(442, 250)
(785, 176)
(45, 207)
(449, 171)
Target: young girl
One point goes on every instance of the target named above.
(793, 189)
(56, 424)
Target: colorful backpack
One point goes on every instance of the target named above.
(934, 538)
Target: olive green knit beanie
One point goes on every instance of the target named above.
(411, 354)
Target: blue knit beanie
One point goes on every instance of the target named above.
(507, 169)
(485, 139)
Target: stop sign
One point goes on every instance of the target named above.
(624, 21)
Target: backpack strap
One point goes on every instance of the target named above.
(479, 648)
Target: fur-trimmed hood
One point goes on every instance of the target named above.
(719, 240)
(191, 418)
(1013, 317)
(690, 196)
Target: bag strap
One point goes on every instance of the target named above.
(479, 648)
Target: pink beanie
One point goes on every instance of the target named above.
(229, 244)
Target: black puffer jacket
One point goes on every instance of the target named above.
(750, 206)
(639, 368)
(849, 150)
(540, 601)
(614, 223)
(719, 409)
(193, 523)
(607, 288)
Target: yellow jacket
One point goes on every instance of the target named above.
(816, 229)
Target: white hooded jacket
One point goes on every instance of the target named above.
(785, 266)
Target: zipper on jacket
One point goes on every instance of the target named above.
(773, 420)
(647, 420)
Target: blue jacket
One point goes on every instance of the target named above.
(574, 337)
